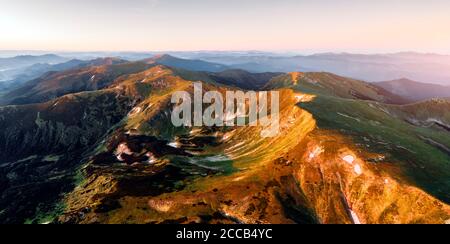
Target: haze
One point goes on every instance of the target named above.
(142, 25)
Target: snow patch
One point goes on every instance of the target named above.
(135, 111)
(174, 144)
(349, 159)
(151, 158)
(316, 152)
(355, 217)
(122, 149)
(303, 98)
(195, 131)
(228, 136)
(358, 169)
(239, 178)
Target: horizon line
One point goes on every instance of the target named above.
(296, 52)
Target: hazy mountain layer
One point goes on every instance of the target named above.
(415, 91)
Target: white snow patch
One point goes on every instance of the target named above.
(355, 217)
(135, 111)
(92, 78)
(349, 159)
(195, 131)
(316, 152)
(122, 149)
(228, 136)
(239, 178)
(174, 144)
(299, 97)
(151, 158)
(358, 169)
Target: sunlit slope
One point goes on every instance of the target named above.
(334, 85)
(56, 84)
(421, 151)
(147, 171)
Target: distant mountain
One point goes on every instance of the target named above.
(233, 77)
(243, 79)
(36, 70)
(334, 85)
(194, 65)
(27, 60)
(25, 67)
(77, 76)
(413, 90)
(377, 67)
(89, 76)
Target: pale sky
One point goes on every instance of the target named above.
(273, 25)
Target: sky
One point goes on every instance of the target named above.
(363, 26)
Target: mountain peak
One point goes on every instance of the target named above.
(188, 64)
(163, 56)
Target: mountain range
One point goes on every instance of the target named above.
(431, 68)
(94, 144)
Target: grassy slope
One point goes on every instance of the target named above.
(425, 165)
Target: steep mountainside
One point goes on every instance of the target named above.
(42, 146)
(333, 85)
(415, 91)
(113, 156)
(386, 129)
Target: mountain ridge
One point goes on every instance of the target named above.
(111, 155)
(413, 90)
